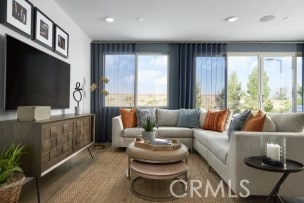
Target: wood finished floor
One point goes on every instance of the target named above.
(57, 179)
(54, 182)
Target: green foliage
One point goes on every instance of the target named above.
(148, 124)
(220, 99)
(300, 94)
(284, 107)
(268, 107)
(300, 91)
(198, 96)
(9, 161)
(234, 93)
(252, 94)
(281, 94)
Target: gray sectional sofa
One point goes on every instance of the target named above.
(227, 158)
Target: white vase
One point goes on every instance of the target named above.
(148, 135)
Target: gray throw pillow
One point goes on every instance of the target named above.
(238, 122)
(141, 114)
(188, 118)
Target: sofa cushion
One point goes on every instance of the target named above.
(175, 132)
(228, 119)
(204, 135)
(132, 132)
(256, 123)
(166, 117)
(238, 122)
(202, 117)
(269, 125)
(288, 122)
(128, 117)
(216, 120)
(219, 146)
(188, 118)
(141, 114)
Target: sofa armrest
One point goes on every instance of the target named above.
(246, 144)
(117, 130)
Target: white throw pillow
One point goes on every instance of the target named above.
(269, 125)
(202, 117)
(167, 117)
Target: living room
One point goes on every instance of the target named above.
(122, 59)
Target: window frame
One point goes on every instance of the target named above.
(136, 73)
(137, 54)
(260, 57)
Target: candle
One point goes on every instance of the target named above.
(273, 151)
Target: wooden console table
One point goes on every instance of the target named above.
(49, 143)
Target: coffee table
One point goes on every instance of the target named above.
(158, 165)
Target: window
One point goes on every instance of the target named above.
(210, 90)
(152, 80)
(263, 82)
(136, 79)
(120, 70)
(242, 88)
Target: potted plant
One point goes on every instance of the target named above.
(148, 125)
(11, 175)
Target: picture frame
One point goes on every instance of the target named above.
(18, 15)
(44, 29)
(61, 42)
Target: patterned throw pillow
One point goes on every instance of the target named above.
(188, 118)
(216, 120)
(128, 117)
(256, 123)
(238, 122)
(141, 114)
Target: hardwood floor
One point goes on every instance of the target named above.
(59, 178)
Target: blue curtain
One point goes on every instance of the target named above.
(103, 114)
(187, 69)
(303, 77)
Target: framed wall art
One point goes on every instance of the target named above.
(44, 30)
(18, 15)
(61, 42)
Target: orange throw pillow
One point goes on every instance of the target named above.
(128, 117)
(256, 123)
(216, 120)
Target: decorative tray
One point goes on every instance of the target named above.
(158, 144)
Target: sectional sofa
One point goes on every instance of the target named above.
(226, 157)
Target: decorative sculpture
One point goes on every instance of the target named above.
(78, 97)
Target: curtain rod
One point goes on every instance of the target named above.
(179, 42)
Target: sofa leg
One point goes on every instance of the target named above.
(209, 169)
(192, 151)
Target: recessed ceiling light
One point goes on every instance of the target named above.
(109, 19)
(267, 18)
(139, 19)
(231, 19)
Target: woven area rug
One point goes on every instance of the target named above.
(105, 181)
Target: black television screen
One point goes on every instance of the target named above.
(34, 78)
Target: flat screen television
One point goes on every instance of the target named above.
(34, 78)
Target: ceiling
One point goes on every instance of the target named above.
(188, 20)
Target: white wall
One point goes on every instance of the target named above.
(79, 53)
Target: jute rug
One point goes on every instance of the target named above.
(105, 181)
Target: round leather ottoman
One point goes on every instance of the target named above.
(150, 156)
